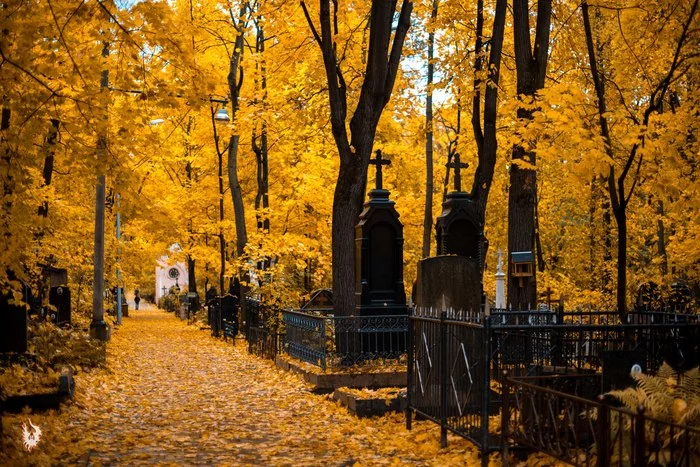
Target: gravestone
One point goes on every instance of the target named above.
(452, 279)
(13, 326)
(449, 282)
(379, 288)
(59, 298)
(459, 228)
(321, 300)
(618, 367)
(53, 276)
(229, 315)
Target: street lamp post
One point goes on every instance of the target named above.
(220, 116)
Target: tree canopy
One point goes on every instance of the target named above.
(171, 67)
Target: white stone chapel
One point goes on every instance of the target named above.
(170, 274)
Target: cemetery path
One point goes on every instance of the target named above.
(173, 395)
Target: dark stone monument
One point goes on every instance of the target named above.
(618, 366)
(460, 230)
(59, 298)
(452, 279)
(449, 282)
(52, 276)
(13, 326)
(229, 315)
(379, 288)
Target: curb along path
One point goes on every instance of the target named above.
(173, 395)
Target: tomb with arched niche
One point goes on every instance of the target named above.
(379, 287)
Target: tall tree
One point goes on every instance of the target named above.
(531, 68)
(631, 162)
(259, 143)
(355, 148)
(428, 214)
(235, 81)
(484, 124)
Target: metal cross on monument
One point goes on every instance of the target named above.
(457, 166)
(379, 162)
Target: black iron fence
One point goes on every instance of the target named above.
(456, 360)
(584, 432)
(265, 342)
(449, 375)
(262, 333)
(333, 341)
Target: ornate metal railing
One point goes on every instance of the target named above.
(332, 341)
(265, 342)
(456, 359)
(585, 432)
(581, 347)
(448, 377)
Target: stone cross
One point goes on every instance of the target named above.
(457, 165)
(379, 162)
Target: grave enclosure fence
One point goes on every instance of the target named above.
(264, 339)
(341, 341)
(557, 415)
(529, 379)
(457, 361)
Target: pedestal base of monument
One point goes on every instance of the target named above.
(327, 381)
(100, 330)
(449, 282)
(371, 402)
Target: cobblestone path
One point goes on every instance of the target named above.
(173, 395)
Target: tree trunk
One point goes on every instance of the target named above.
(347, 201)
(522, 292)
(237, 196)
(428, 214)
(607, 247)
(486, 142)
(234, 86)
(260, 149)
(621, 218)
(191, 276)
(531, 67)
(48, 163)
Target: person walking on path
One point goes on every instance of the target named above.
(137, 299)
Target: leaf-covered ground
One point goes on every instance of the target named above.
(173, 395)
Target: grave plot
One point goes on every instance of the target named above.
(464, 369)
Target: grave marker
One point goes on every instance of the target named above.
(379, 287)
